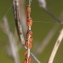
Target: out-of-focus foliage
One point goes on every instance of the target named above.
(40, 29)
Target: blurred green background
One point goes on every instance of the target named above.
(40, 30)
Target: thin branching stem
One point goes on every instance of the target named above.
(56, 46)
(18, 25)
(53, 16)
(42, 4)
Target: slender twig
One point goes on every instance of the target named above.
(18, 25)
(12, 41)
(42, 3)
(35, 58)
(56, 46)
(52, 15)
